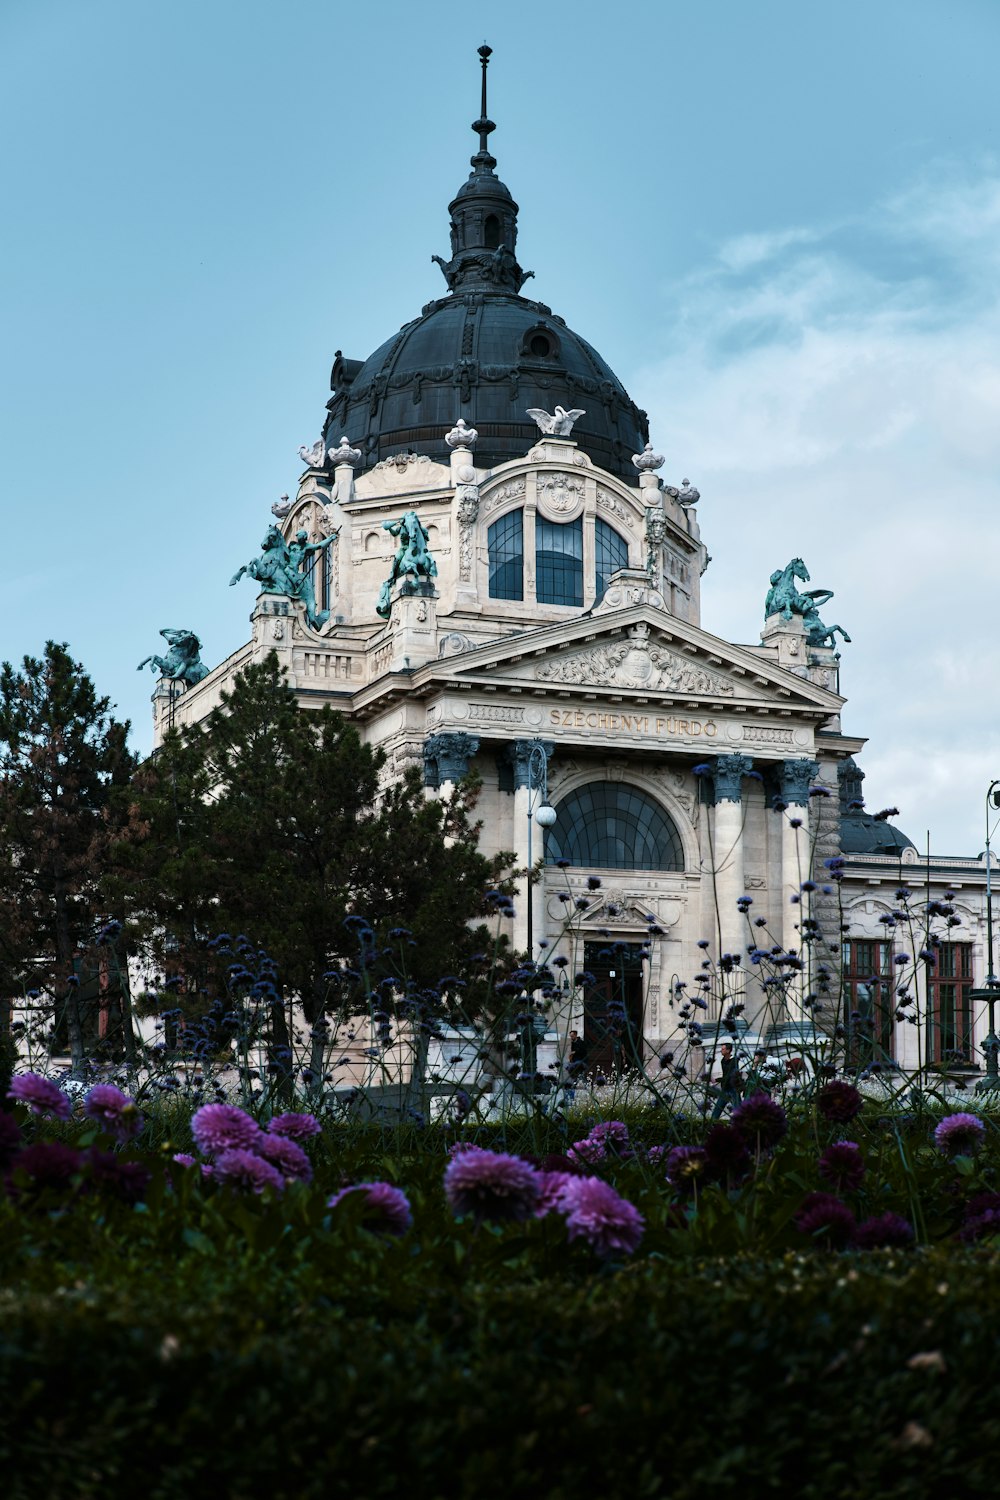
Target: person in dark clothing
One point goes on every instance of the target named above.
(731, 1083)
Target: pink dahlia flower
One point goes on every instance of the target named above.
(386, 1208)
(491, 1185)
(247, 1169)
(41, 1095)
(842, 1166)
(282, 1152)
(596, 1213)
(295, 1127)
(114, 1110)
(887, 1231)
(223, 1127)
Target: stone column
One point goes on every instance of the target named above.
(465, 481)
(447, 758)
(795, 777)
(727, 776)
(526, 803)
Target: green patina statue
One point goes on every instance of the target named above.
(784, 599)
(182, 662)
(412, 558)
(285, 568)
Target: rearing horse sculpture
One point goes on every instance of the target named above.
(784, 599)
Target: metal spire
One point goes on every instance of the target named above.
(484, 126)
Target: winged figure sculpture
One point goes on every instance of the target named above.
(558, 425)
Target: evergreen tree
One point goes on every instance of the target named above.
(271, 820)
(62, 756)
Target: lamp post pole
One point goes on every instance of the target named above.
(991, 1042)
(538, 810)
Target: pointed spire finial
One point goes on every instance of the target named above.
(484, 126)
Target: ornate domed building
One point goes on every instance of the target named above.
(484, 569)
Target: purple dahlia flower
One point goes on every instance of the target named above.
(596, 1213)
(491, 1185)
(386, 1208)
(887, 1231)
(960, 1135)
(48, 1164)
(283, 1153)
(588, 1150)
(839, 1101)
(41, 1095)
(114, 1110)
(552, 1190)
(126, 1179)
(247, 1169)
(685, 1164)
(842, 1166)
(223, 1127)
(760, 1121)
(823, 1216)
(295, 1127)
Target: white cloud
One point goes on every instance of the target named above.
(851, 416)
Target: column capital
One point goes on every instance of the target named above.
(447, 756)
(525, 757)
(795, 777)
(728, 772)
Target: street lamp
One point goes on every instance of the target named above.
(540, 811)
(991, 1043)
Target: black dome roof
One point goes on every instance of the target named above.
(860, 833)
(485, 356)
(484, 353)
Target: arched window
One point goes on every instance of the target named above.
(491, 232)
(559, 562)
(505, 540)
(608, 825)
(610, 554)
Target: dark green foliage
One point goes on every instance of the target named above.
(62, 757)
(269, 820)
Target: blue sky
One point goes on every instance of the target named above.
(777, 221)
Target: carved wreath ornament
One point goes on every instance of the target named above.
(635, 663)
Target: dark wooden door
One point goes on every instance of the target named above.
(612, 1008)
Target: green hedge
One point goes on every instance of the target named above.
(244, 1377)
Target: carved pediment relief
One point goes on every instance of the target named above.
(636, 661)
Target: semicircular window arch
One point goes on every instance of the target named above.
(609, 825)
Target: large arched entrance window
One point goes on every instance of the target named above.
(608, 825)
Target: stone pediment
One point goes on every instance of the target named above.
(638, 653)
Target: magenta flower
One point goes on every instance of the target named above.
(839, 1101)
(41, 1095)
(611, 1133)
(247, 1170)
(596, 1213)
(223, 1127)
(960, 1135)
(760, 1121)
(114, 1110)
(491, 1185)
(283, 1153)
(295, 1127)
(126, 1179)
(887, 1231)
(386, 1208)
(822, 1216)
(842, 1166)
(183, 1159)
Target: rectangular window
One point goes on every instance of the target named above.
(610, 554)
(505, 541)
(559, 562)
(949, 1005)
(867, 974)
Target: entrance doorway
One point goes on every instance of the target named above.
(612, 1008)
